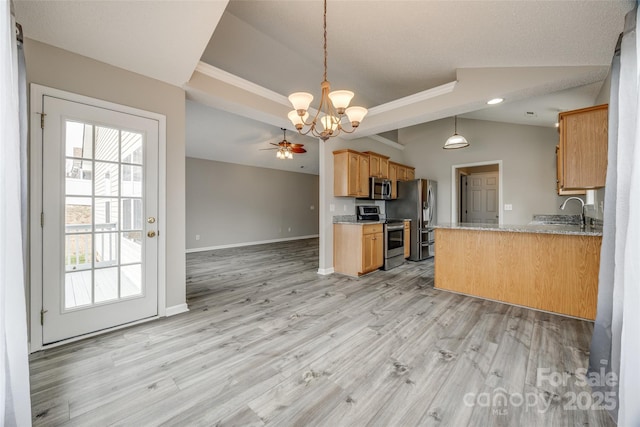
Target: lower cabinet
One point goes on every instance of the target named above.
(357, 248)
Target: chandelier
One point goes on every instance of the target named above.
(333, 107)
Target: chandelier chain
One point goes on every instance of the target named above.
(325, 40)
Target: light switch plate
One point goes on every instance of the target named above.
(508, 207)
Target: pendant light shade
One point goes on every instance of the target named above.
(455, 140)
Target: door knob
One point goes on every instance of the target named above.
(151, 234)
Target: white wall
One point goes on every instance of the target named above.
(528, 163)
(231, 204)
(61, 69)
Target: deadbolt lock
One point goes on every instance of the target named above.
(151, 234)
(151, 220)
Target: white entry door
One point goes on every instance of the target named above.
(481, 198)
(99, 225)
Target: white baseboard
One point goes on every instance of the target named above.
(261, 242)
(176, 309)
(325, 271)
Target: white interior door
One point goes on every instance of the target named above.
(482, 198)
(100, 205)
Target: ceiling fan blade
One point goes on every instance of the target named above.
(273, 143)
(265, 149)
(292, 145)
(298, 150)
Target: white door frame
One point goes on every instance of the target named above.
(35, 209)
(455, 186)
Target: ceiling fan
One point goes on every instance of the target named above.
(286, 148)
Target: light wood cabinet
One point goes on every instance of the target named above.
(411, 174)
(561, 191)
(352, 170)
(582, 151)
(393, 176)
(407, 239)
(350, 174)
(378, 165)
(357, 248)
(550, 272)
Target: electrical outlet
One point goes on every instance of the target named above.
(289, 230)
(601, 206)
(197, 237)
(344, 208)
(332, 207)
(508, 207)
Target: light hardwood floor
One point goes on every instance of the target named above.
(270, 342)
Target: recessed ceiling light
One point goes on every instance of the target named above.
(495, 101)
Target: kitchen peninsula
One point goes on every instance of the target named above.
(547, 267)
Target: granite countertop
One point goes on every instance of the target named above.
(530, 228)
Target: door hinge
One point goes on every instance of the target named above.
(41, 219)
(41, 120)
(42, 312)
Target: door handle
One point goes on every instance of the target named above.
(151, 234)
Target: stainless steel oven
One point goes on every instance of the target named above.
(393, 244)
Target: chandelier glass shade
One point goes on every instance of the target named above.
(332, 111)
(455, 140)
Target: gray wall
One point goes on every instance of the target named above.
(61, 69)
(230, 204)
(528, 163)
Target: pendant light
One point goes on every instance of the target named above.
(455, 140)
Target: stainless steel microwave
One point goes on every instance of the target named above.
(379, 189)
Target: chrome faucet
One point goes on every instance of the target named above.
(583, 221)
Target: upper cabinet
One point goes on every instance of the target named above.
(350, 174)
(582, 151)
(352, 170)
(378, 165)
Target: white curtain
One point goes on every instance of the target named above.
(615, 346)
(14, 363)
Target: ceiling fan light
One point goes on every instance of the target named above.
(300, 101)
(340, 99)
(455, 141)
(279, 154)
(356, 114)
(288, 155)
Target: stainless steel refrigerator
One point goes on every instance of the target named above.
(417, 201)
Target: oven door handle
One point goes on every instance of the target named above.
(395, 227)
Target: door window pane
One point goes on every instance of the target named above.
(78, 214)
(106, 249)
(106, 179)
(131, 247)
(77, 252)
(106, 284)
(132, 214)
(132, 181)
(106, 214)
(77, 289)
(107, 144)
(131, 280)
(78, 177)
(78, 140)
(131, 147)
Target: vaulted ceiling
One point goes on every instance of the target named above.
(409, 62)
